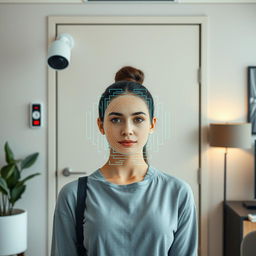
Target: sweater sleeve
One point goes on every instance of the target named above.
(64, 233)
(185, 237)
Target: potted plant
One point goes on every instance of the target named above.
(13, 222)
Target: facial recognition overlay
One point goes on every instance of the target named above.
(159, 136)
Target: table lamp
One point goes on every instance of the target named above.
(230, 135)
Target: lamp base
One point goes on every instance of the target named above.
(250, 204)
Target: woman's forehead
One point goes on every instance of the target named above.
(127, 104)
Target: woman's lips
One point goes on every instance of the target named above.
(127, 144)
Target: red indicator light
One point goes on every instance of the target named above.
(36, 122)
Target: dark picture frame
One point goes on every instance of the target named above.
(252, 97)
(254, 169)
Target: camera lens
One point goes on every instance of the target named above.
(58, 62)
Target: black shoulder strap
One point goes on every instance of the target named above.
(80, 208)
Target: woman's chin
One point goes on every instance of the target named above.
(125, 150)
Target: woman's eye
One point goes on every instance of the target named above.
(140, 119)
(113, 120)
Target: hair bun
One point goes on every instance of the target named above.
(129, 73)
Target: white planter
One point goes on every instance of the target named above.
(13, 233)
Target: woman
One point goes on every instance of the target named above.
(132, 208)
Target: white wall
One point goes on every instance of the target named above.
(23, 76)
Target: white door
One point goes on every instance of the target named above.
(169, 55)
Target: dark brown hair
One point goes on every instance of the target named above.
(128, 80)
(129, 73)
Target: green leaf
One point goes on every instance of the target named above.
(15, 177)
(16, 193)
(29, 161)
(28, 177)
(9, 157)
(7, 171)
(3, 186)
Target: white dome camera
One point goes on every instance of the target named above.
(59, 52)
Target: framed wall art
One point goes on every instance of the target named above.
(252, 97)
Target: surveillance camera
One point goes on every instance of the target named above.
(59, 52)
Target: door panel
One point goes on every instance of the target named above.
(169, 56)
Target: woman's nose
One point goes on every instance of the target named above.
(128, 128)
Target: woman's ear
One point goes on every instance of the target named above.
(153, 125)
(100, 125)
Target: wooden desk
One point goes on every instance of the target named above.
(237, 226)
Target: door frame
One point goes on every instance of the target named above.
(201, 21)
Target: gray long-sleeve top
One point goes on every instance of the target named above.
(153, 217)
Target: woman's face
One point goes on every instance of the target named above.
(127, 118)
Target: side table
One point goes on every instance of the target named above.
(237, 226)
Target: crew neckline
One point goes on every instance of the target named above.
(149, 175)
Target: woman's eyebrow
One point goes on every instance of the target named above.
(120, 114)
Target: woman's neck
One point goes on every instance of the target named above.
(125, 167)
(124, 172)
